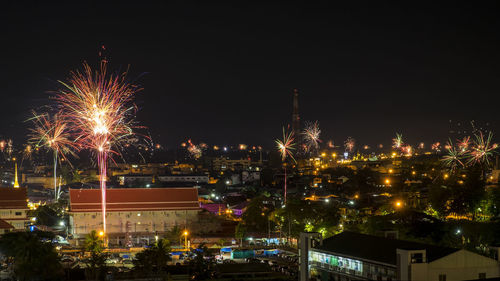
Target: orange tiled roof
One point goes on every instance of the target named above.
(5, 225)
(134, 199)
(13, 198)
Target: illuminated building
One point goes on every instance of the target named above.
(224, 164)
(145, 179)
(354, 256)
(14, 206)
(134, 215)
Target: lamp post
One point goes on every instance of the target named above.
(185, 239)
(63, 224)
(102, 234)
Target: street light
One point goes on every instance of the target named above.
(185, 239)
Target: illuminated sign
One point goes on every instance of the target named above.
(336, 261)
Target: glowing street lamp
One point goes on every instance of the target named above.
(186, 233)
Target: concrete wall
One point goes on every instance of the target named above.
(461, 265)
(16, 217)
(132, 222)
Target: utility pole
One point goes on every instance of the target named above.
(268, 230)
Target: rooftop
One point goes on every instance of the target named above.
(13, 198)
(5, 225)
(134, 199)
(377, 248)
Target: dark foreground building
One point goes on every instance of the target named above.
(354, 256)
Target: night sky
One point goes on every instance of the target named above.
(224, 74)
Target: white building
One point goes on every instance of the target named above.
(354, 256)
(14, 206)
(184, 178)
(134, 215)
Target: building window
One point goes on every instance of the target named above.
(18, 213)
(442, 277)
(417, 258)
(482, 275)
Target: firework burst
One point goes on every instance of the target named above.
(398, 141)
(464, 144)
(311, 136)
(195, 151)
(453, 158)
(436, 146)
(482, 149)
(421, 145)
(349, 144)
(99, 110)
(51, 133)
(286, 145)
(408, 150)
(27, 151)
(330, 144)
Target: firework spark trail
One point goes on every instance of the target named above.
(26, 154)
(349, 144)
(407, 149)
(53, 134)
(10, 148)
(481, 149)
(436, 146)
(285, 148)
(398, 141)
(453, 159)
(196, 151)
(464, 144)
(330, 144)
(311, 136)
(100, 113)
(286, 145)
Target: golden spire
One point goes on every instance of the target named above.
(16, 183)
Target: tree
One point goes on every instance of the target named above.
(438, 198)
(154, 259)
(33, 259)
(200, 266)
(174, 234)
(221, 242)
(459, 194)
(493, 206)
(304, 215)
(45, 215)
(240, 232)
(97, 262)
(256, 216)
